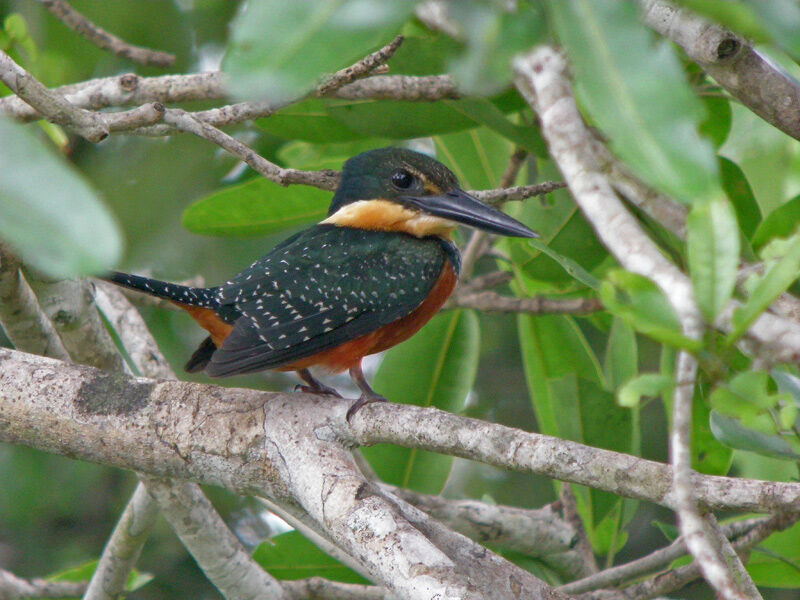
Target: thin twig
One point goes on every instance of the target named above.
(488, 301)
(16, 588)
(105, 40)
(363, 67)
(87, 124)
(655, 561)
(665, 583)
(520, 192)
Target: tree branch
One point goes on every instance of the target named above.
(14, 588)
(488, 301)
(768, 91)
(102, 39)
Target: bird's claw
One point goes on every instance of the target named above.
(321, 390)
(361, 402)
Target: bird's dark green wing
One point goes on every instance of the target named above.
(322, 288)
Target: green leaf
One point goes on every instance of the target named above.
(737, 188)
(781, 222)
(493, 34)
(291, 556)
(651, 385)
(48, 213)
(436, 367)
(635, 89)
(257, 207)
(280, 50)
(709, 455)
(733, 433)
(717, 124)
(775, 562)
(713, 251)
(622, 355)
(477, 156)
(486, 113)
(639, 302)
(400, 119)
(136, 579)
(781, 19)
(308, 120)
(779, 275)
(564, 232)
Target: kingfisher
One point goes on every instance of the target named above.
(364, 279)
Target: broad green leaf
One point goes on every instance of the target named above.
(748, 213)
(779, 275)
(633, 86)
(136, 579)
(280, 50)
(733, 433)
(493, 35)
(486, 113)
(257, 207)
(717, 124)
(781, 222)
(564, 232)
(638, 301)
(477, 156)
(291, 556)
(649, 384)
(775, 562)
(48, 213)
(311, 157)
(436, 367)
(713, 250)
(621, 361)
(565, 384)
(572, 268)
(308, 120)
(709, 455)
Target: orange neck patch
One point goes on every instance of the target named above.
(383, 215)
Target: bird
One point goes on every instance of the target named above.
(364, 279)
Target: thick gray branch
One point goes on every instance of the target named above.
(767, 90)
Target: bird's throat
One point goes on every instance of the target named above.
(383, 215)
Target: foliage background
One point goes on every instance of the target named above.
(56, 513)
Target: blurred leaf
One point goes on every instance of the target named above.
(291, 556)
(734, 15)
(709, 455)
(778, 276)
(781, 19)
(308, 120)
(748, 214)
(649, 384)
(436, 367)
(48, 212)
(775, 562)
(477, 156)
(787, 384)
(256, 207)
(638, 301)
(136, 579)
(305, 155)
(424, 54)
(733, 433)
(713, 251)
(280, 50)
(493, 34)
(622, 355)
(635, 89)
(781, 222)
(717, 124)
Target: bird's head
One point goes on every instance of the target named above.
(398, 189)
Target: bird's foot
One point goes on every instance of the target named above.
(318, 390)
(363, 401)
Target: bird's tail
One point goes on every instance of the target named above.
(193, 296)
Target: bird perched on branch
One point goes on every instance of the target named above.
(363, 280)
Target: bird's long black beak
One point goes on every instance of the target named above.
(456, 205)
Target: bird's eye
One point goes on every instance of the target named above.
(402, 179)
